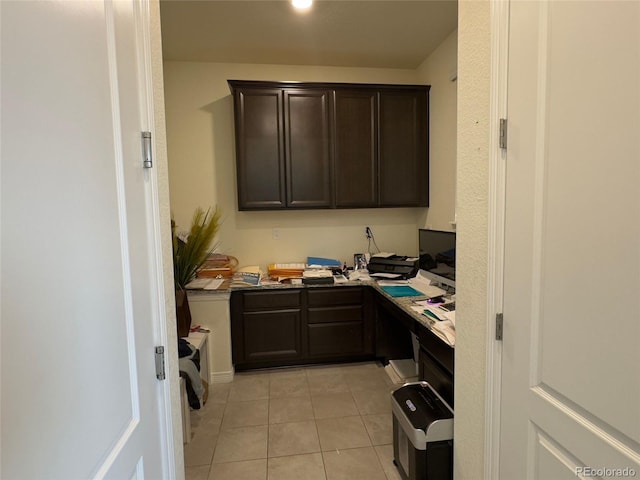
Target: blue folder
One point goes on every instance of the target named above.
(401, 291)
(324, 262)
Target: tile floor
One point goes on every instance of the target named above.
(311, 423)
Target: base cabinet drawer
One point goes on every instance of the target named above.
(269, 300)
(347, 313)
(325, 297)
(337, 339)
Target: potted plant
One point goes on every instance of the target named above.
(190, 251)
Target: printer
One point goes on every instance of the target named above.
(403, 267)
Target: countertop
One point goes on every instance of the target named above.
(404, 303)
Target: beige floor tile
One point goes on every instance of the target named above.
(362, 367)
(333, 405)
(372, 380)
(385, 455)
(233, 441)
(218, 393)
(207, 420)
(208, 408)
(343, 432)
(199, 451)
(293, 384)
(290, 409)
(313, 370)
(379, 427)
(244, 443)
(244, 414)
(286, 372)
(353, 464)
(327, 383)
(245, 470)
(206, 426)
(293, 438)
(211, 410)
(373, 401)
(296, 467)
(197, 473)
(249, 387)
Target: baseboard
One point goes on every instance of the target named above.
(222, 377)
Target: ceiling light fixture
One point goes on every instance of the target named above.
(301, 4)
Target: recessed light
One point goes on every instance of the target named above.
(301, 4)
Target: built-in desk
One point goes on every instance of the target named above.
(396, 322)
(280, 325)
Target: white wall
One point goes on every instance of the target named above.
(200, 140)
(437, 70)
(474, 43)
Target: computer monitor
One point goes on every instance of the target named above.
(438, 255)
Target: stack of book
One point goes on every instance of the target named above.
(218, 266)
(286, 271)
(249, 275)
(317, 276)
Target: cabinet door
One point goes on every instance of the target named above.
(308, 148)
(356, 155)
(260, 167)
(266, 328)
(272, 336)
(403, 144)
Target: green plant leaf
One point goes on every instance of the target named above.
(190, 254)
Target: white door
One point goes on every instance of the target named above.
(80, 288)
(571, 348)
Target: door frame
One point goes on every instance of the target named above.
(499, 26)
(168, 391)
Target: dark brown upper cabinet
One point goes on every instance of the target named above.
(260, 164)
(331, 145)
(403, 167)
(308, 153)
(356, 151)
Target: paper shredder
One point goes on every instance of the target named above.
(422, 433)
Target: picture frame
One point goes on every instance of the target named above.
(359, 261)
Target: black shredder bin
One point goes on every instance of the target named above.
(422, 433)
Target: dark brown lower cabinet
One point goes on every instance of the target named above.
(266, 328)
(297, 326)
(273, 328)
(272, 336)
(339, 323)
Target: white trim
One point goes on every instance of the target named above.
(127, 282)
(496, 219)
(221, 377)
(539, 195)
(158, 290)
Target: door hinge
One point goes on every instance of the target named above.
(499, 325)
(160, 363)
(147, 161)
(503, 133)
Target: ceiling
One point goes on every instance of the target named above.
(353, 33)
